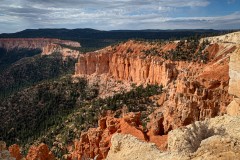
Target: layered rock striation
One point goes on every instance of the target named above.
(127, 62)
(234, 89)
(47, 45)
(33, 43)
(56, 48)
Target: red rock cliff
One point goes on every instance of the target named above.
(127, 62)
(192, 90)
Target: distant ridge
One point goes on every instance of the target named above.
(86, 32)
(92, 39)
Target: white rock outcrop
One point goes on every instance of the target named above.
(234, 83)
(126, 147)
(216, 138)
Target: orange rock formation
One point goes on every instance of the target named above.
(15, 151)
(192, 91)
(96, 141)
(127, 62)
(40, 152)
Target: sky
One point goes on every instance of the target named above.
(17, 15)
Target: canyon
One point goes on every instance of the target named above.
(192, 118)
(193, 91)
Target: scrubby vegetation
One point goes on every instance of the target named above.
(11, 56)
(29, 113)
(31, 70)
(87, 114)
(189, 49)
(55, 112)
(134, 99)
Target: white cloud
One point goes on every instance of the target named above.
(102, 14)
(184, 3)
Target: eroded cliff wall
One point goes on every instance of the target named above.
(57, 48)
(33, 43)
(193, 91)
(47, 45)
(127, 62)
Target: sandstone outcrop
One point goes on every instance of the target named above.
(15, 151)
(56, 48)
(96, 141)
(4, 153)
(234, 89)
(227, 38)
(125, 147)
(210, 139)
(127, 62)
(40, 152)
(193, 91)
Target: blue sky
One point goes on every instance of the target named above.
(17, 15)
